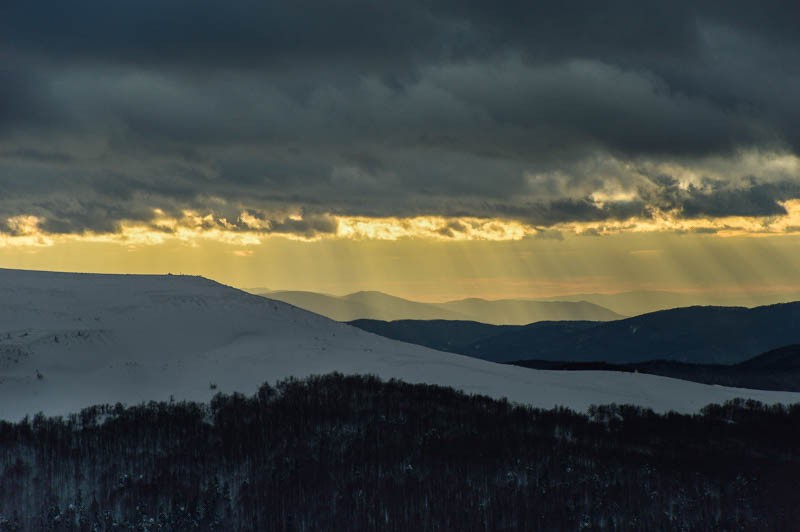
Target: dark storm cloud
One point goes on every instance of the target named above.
(309, 226)
(461, 108)
(255, 32)
(64, 217)
(20, 100)
(219, 34)
(714, 198)
(575, 210)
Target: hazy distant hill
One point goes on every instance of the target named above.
(692, 334)
(362, 305)
(778, 369)
(375, 305)
(380, 306)
(522, 312)
(639, 302)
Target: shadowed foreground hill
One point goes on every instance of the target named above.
(781, 359)
(355, 453)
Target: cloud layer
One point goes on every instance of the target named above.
(293, 113)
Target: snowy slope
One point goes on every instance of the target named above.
(106, 338)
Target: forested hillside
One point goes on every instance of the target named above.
(778, 369)
(356, 453)
(697, 335)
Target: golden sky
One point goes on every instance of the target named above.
(434, 259)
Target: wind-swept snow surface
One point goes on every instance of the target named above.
(68, 341)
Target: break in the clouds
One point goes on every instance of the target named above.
(281, 116)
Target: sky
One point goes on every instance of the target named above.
(432, 149)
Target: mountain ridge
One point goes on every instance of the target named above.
(637, 302)
(371, 304)
(697, 334)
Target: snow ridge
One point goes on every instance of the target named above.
(68, 341)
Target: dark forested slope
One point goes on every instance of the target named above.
(497, 343)
(355, 453)
(445, 335)
(700, 335)
(778, 369)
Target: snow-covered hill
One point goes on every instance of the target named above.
(72, 340)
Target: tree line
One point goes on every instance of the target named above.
(339, 452)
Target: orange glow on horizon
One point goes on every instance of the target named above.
(193, 227)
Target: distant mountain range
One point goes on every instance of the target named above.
(380, 306)
(778, 369)
(639, 302)
(702, 335)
